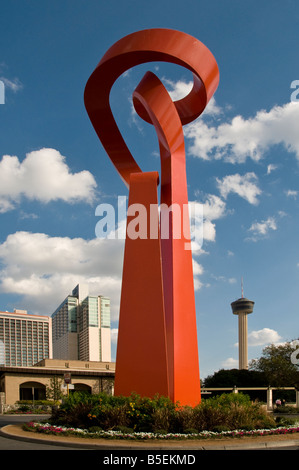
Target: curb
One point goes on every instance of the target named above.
(13, 432)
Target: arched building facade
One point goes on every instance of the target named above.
(30, 383)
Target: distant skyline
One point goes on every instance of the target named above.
(242, 160)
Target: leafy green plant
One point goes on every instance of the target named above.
(230, 411)
(143, 414)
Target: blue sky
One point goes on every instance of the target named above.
(242, 160)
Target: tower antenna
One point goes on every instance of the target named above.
(242, 291)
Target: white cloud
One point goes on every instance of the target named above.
(197, 284)
(212, 108)
(5, 205)
(230, 363)
(43, 270)
(14, 85)
(25, 215)
(44, 176)
(197, 268)
(177, 90)
(262, 229)
(243, 185)
(291, 193)
(213, 208)
(263, 337)
(230, 280)
(209, 231)
(114, 335)
(241, 138)
(271, 167)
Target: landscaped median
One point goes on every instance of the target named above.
(141, 418)
(48, 428)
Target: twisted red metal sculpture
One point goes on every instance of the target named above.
(157, 350)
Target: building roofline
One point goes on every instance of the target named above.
(55, 371)
(25, 314)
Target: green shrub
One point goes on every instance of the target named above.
(191, 431)
(226, 412)
(24, 408)
(95, 429)
(124, 429)
(286, 410)
(220, 429)
(36, 402)
(230, 411)
(284, 421)
(161, 431)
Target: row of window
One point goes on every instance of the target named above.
(23, 342)
(24, 325)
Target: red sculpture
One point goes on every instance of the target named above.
(157, 350)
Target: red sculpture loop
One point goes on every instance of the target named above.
(157, 349)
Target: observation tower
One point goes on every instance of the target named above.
(242, 307)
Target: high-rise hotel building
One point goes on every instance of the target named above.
(25, 339)
(82, 327)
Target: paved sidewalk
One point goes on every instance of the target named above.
(245, 443)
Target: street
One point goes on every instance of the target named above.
(14, 444)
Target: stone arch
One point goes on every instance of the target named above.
(82, 387)
(32, 391)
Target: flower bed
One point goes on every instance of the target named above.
(159, 415)
(143, 418)
(48, 428)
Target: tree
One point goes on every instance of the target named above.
(277, 366)
(54, 391)
(235, 377)
(239, 378)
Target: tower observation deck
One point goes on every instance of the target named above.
(242, 307)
